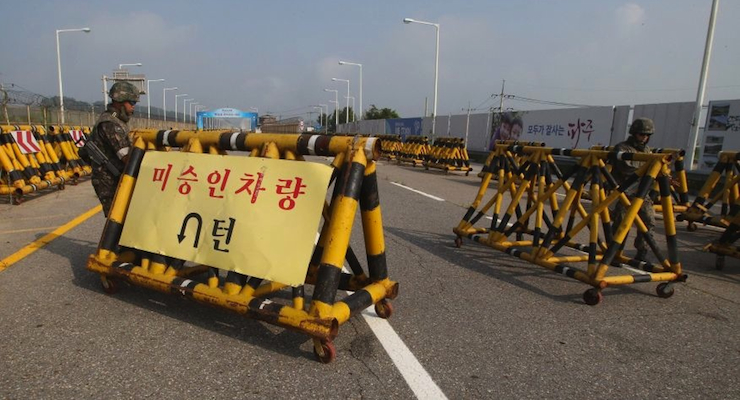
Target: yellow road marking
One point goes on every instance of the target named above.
(48, 238)
(28, 230)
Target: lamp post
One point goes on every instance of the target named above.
(336, 106)
(183, 110)
(120, 66)
(321, 111)
(436, 67)
(164, 100)
(59, 67)
(149, 97)
(353, 107)
(197, 108)
(344, 80)
(190, 107)
(356, 65)
(325, 116)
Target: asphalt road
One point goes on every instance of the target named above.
(482, 324)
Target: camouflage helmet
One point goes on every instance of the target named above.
(644, 126)
(123, 91)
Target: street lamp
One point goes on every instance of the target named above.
(190, 107)
(336, 106)
(321, 111)
(149, 97)
(356, 65)
(164, 100)
(120, 66)
(353, 107)
(183, 110)
(326, 116)
(436, 67)
(59, 67)
(344, 80)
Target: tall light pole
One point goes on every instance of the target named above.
(325, 117)
(183, 110)
(190, 107)
(120, 66)
(321, 111)
(436, 67)
(353, 107)
(149, 97)
(164, 100)
(344, 80)
(59, 67)
(336, 106)
(356, 65)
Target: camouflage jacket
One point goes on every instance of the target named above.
(624, 168)
(111, 135)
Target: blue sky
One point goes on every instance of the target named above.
(278, 56)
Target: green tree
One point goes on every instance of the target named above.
(382, 113)
(342, 118)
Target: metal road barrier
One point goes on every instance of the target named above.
(724, 246)
(414, 150)
(390, 146)
(449, 154)
(354, 185)
(501, 156)
(28, 162)
(66, 148)
(712, 192)
(553, 236)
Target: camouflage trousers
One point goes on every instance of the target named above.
(105, 186)
(646, 213)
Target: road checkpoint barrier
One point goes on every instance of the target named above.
(67, 149)
(414, 150)
(355, 184)
(712, 192)
(27, 162)
(449, 154)
(502, 156)
(679, 180)
(553, 242)
(390, 146)
(725, 245)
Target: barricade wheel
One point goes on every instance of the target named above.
(691, 227)
(458, 242)
(61, 186)
(110, 286)
(384, 309)
(324, 350)
(17, 200)
(467, 173)
(592, 296)
(719, 263)
(664, 290)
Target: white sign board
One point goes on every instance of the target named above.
(721, 132)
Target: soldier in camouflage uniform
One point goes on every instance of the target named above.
(111, 135)
(640, 132)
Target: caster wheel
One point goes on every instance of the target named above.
(719, 264)
(17, 200)
(61, 186)
(458, 242)
(384, 309)
(592, 296)
(664, 290)
(324, 351)
(110, 286)
(467, 173)
(691, 227)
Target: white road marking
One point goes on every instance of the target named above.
(418, 191)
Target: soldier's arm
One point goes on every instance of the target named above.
(117, 138)
(626, 167)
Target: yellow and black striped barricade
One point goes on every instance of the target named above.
(679, 180)
(725, 245)
(712, 193)
(414, 150)
(24, 160)
(390, 146)
(554, 236)
(449, 154)
(355, 185)
(67, 152)
(499, 154)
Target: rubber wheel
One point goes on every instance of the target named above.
(458, 242)
(691, 227)
(324, 351)
(719, 263)
(592, 296)
(110, 286)
(664, 290)
(384, 309)
(17, 200)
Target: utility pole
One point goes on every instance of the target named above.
(467, 125)
(501, 97)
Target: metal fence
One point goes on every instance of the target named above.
(35, 115)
